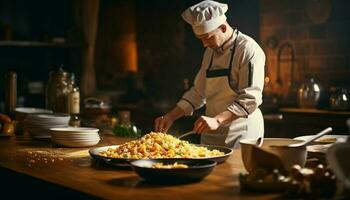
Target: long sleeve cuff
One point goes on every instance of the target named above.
(238, 109)
(186, 106)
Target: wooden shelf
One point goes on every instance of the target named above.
(4, 43)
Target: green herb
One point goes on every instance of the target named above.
(126, 130)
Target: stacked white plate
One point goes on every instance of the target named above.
(38, 125)
(75, 136)
(21, 114)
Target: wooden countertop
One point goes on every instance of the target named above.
(74, 169)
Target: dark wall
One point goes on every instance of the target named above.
(319, 34)
(168, 50)
(31, 20)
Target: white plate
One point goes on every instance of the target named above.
(47, 118)
(75, 130)
(28, 110)
(74, 135)
(76, 141)
(82, 143)
(76, 144)
(47, 127)
(50, 116)
(326, 139)
(76, 138)
(40, 136)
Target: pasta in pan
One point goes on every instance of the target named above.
(159, 145)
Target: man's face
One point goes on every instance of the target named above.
(212, 39)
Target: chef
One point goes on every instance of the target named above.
(229, 82)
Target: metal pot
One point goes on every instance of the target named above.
(95, 106)
(309, 94)
(287, 156)
(339, 98)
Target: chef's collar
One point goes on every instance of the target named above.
(228, 43)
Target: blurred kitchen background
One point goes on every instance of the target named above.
(140, 56)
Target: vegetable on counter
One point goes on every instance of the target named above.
(7, 126)
(127, 130)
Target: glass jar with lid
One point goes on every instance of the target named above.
(57, 90)
(339, 98)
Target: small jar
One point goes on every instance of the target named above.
(57, 90)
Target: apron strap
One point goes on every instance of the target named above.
(222, 72)
(217, 73)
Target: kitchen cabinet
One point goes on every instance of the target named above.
(295, 122)
(36, 38)
(32, 61)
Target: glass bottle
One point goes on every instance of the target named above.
(73, 102)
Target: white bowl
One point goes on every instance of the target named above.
(289, 156)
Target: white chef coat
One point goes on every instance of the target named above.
(237, 85)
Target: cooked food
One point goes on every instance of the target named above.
(159, 145)
(328, 140)
(169, 166)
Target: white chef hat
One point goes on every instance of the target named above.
(205, 16)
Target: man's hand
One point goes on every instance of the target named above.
(162, 123)
(204, 124)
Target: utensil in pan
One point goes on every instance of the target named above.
(186, 134)
(191, 137)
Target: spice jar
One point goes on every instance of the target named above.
(57, 90)
(73, 102)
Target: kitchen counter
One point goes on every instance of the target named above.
(315, 111)
(293, 122)
(38, 168)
